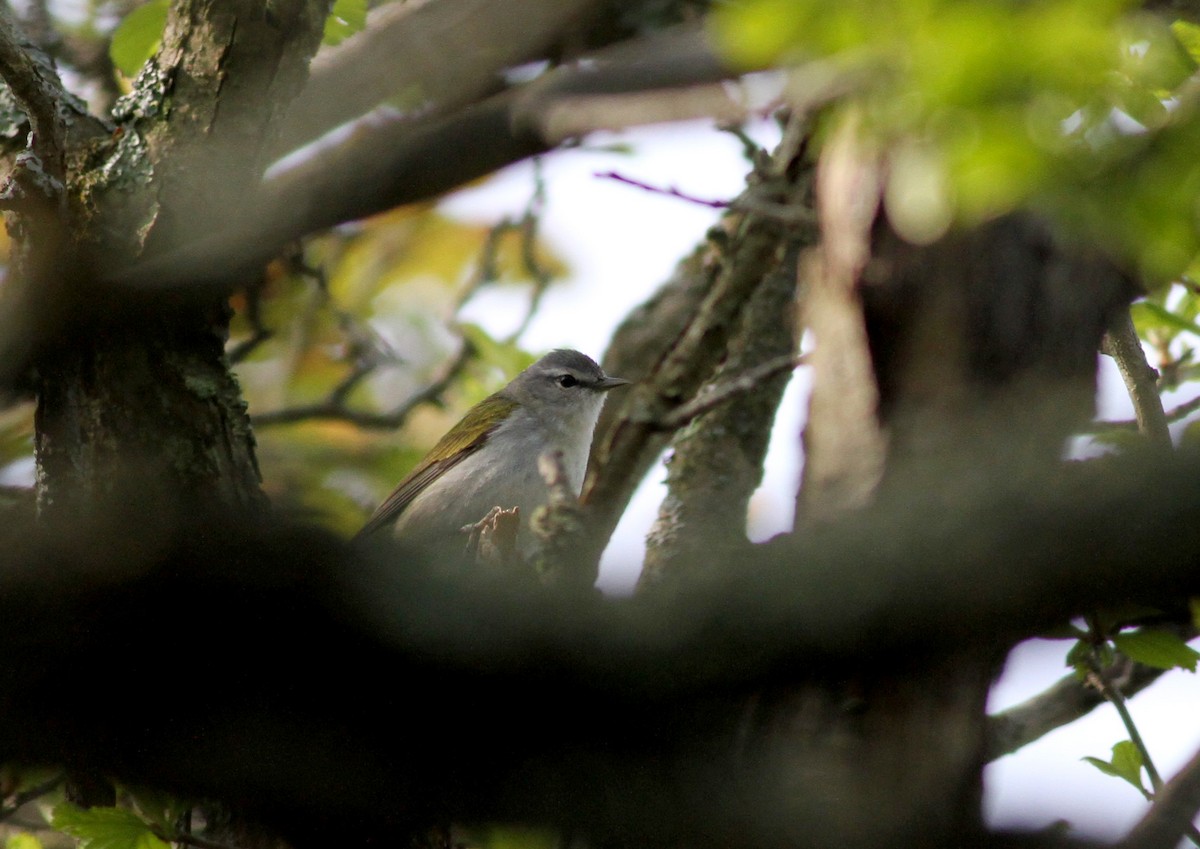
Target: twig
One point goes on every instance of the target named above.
(1170, 818)
(493, 539)
(486, 265)
(669, 191)
(1060, 704)
(752, 151)
(259, 332)
(1122, 344)
(27, 796)
(1175, 414)
(1113, 694)
(334, 409)
(710, 398)
(529, 225)
(786, 213)
(526, 227)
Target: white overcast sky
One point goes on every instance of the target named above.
(621, 244)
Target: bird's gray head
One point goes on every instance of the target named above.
(562, 380)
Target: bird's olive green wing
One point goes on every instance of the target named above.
(460, 442)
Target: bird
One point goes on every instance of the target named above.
(490, 458)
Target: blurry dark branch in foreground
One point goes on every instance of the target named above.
(335, 406)
(589, 699)
(1061, 704)
(389, 160)
(403, 52)
(1169, 820)
(517, 123)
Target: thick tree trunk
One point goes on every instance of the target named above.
(135, 399)
(138, 416)
(143, 413)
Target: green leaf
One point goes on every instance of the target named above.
(1126, 764)
(138, 37)
(1148, 314)
(105, 828)
(1188, 35)
(345, 19)
(1160, 649)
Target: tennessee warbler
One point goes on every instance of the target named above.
(489, 459)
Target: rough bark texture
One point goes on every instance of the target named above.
(672, 345)
(133, 390)
(717, 461)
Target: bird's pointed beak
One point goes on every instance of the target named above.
(608, 383)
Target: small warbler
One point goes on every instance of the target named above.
(490, 458)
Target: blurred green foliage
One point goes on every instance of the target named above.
(138, 36)
(345, 18)
(1078, 107)
(379, 296)
(22, 841)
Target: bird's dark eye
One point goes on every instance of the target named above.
(566, 381)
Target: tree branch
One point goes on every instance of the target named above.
(1175, 414)
(844, 442)
(717, 460)
(602, 708)
(1122, 344)
(1170, 817)
(717, 394)
(672, 345)
(403, 51)
(389, 160)
(1061, 704)
(37, 88)
(334, 408)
